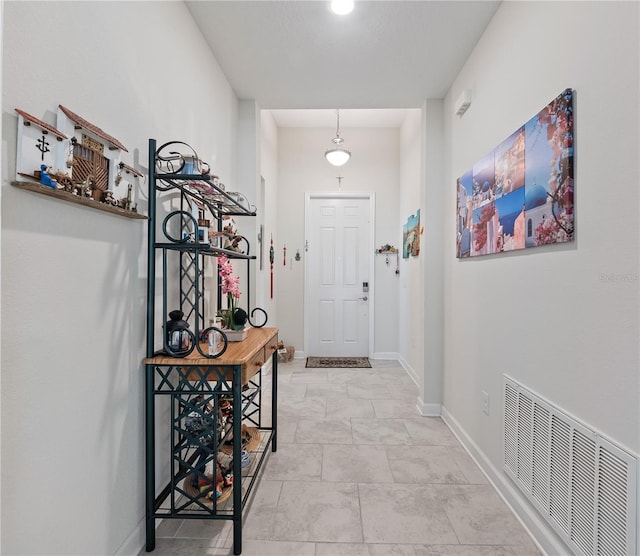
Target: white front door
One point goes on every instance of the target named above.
(338, 262)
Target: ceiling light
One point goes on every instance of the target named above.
(342, 7)
(337, 155)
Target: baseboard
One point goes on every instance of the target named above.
(135, 542)
(412, 373)
(429, 409)
(385, 355)
(541, 534)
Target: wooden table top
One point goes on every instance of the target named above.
(237, 353)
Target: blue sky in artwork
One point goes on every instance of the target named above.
(413, 220)
(509, 207)
(466, 181)
(538, 154)
(484, 171)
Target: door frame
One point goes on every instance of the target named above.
(371, 196)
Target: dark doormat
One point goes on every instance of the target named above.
(338, 362)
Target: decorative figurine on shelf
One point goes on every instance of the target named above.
(108, 198)
(63, 180)
(87, 187)
(233, 244)
(387, 248)
(231, 238)
(45, 177)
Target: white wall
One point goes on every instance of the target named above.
(269, 216)
(73, 279)
(562, 320)
(434, 192)
(302, 168)
(1, 165)
(411, 333)
(248, 182)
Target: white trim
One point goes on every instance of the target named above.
(135, 541)
(371, 196)
(378, 356)
(410, 371)
(541, 534)
(429, 409)
(386, 355)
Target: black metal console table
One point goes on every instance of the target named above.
(192, 392)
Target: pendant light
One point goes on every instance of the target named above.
(342, 7)
(337, 155)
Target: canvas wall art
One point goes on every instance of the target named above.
(520, 195)
(411, 236)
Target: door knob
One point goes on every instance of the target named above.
(364, 298)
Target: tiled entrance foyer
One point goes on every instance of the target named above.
(359, 472)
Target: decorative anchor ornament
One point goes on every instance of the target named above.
(272, 254)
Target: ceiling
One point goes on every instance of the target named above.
(298, 55)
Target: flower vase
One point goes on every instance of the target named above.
(236, 331)
(235, 335)
(234, 319)
(238, 318)
(236, 326)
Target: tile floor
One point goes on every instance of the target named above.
(359, 472)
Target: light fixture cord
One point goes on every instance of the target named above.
(338, 126)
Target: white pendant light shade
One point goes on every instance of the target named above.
(342, 7)
(337, 155)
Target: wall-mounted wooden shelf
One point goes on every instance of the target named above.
(35, 187)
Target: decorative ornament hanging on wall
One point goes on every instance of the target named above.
(272, 254)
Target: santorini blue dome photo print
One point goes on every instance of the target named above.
(520, 195)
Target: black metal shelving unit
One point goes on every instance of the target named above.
(212, 403)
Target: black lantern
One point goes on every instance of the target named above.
(179, 339)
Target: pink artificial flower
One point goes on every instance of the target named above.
(230, 284)
(226, 268)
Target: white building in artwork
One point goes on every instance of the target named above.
(81, 151)
(537, 209)
(38, 144)
(126, 184)
(494, 233)
(462, 207)
(95, 152)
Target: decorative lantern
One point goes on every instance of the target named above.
(179, 340)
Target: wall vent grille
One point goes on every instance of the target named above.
(583, 484)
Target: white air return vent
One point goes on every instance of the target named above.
(582, 484)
